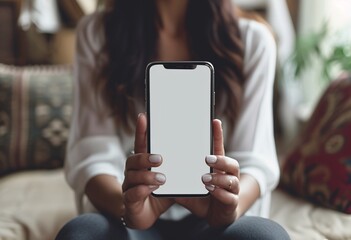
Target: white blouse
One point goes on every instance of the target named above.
(96, 146)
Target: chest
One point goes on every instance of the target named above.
(173, 48)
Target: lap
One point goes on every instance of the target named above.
(96, 226)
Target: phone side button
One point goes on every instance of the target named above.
(145, 91)
(214, 98)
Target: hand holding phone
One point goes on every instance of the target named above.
(139, 206)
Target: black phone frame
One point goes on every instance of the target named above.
(179, 65)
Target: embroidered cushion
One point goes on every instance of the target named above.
(35, 108)
(319, 168)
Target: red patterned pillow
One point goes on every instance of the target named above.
(319, 168)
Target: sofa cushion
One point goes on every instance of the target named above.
(319, 168)
(305, 220)
(34, 205)
(35, 108)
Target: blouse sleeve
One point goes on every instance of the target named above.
(93, 146)
(252, 143)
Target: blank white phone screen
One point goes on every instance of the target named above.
(180, 126)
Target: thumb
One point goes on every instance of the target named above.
(218, 147)
(140, 134)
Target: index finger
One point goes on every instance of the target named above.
(140, 134)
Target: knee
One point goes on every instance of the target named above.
(258, 228)
(91, 226)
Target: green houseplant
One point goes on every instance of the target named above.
(313, 46)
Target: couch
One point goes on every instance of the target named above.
(35, 201)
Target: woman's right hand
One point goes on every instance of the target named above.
(141, 208)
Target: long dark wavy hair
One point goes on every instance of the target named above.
(131, 42)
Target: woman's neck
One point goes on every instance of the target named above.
(172, 15)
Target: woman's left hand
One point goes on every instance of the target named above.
(220, 208)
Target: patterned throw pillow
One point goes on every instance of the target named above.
(35, 108)
(319, 168)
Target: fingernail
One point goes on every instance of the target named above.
(211, 159)
(210, 188)
(153, 186)
(139, 115)
(155, 158)
(206, 178)
(160, 177)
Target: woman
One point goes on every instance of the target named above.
(113, 50)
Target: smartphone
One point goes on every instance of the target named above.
(180, 107)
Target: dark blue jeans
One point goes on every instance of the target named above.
(95, 226)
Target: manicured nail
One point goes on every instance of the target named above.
(155, 158)
(206, 178)
(210, 188)
(210, 159)
(160, 177)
